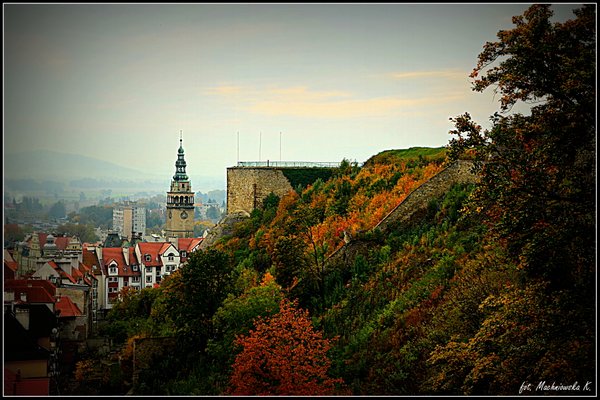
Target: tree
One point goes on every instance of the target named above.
(538, 171)
(284, 355)
(194, 293)
(57, 210)
(213, 213)
(84, 232)
(527, 334)
(13, 233)
(237, 316)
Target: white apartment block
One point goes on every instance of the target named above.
(129, 219)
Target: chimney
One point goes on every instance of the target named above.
(126, 255)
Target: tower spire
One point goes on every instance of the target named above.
(180, 164)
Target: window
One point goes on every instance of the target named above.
(171, 257)
(148, 279)
(135, 278)
(148, 270)
(125, 283)
(183, 254)
(113, 279)
(134, 267)
(147, 257)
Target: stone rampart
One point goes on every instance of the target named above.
(248, 187)
(457, 172)
(411, 207)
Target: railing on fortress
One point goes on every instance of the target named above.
(288, 164)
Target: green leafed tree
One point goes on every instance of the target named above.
(194, 293)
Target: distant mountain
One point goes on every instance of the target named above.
(81, 172)
(45, 164)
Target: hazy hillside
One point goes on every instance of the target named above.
(45, 164)
(73, 171)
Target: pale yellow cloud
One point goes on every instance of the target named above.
(301, 93)
(373, 107)
(453, 74)
(300, 101)
(225, 90)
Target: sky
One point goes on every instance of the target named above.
(242, 82)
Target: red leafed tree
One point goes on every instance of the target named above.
(284, 355)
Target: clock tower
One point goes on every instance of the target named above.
(180, 201)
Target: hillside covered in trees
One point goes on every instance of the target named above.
(490, 291)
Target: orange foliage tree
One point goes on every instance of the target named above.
(284, 355)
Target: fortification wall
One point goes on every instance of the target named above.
(412, 206)
(457, 172)
(247, 187)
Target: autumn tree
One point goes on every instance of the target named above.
(236, 317)
(537, 195)
(284, 355)
(538, 170)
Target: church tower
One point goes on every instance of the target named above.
(180, 201)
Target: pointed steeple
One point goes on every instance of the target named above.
(180, 164)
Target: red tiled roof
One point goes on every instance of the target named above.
(61, 272)
(113, 253)
(47, 285)
(8, 256)
(188, 244)
(34, 294)
(154, 250)
(133, 257)
(90, 259)
(85, 269)
(42, 238)
(12, 265)
(62, 242)
(165, 246)
(116, 253)
(76, 274)
(67, 308)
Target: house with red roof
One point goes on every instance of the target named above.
(157, 260)
(187, 246)
(120, 268)
(79, 285)
(73, 323)
(91, 261)
(10, 266)
(51, 271)
(31, 330)
(40, 247)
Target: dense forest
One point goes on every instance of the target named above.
(490, 291)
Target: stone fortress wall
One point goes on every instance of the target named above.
(412, 206)
(457, 172)
(248, 187)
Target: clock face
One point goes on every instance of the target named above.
(183, 215)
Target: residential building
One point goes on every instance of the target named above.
(129, 220)
(39, 247)
(157, 260)
(120, 268)
(31, 337)
(186, 246)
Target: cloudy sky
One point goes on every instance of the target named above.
(297, 82)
